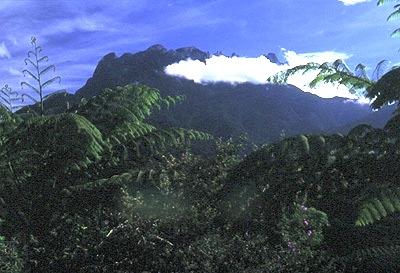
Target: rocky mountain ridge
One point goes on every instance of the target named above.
(263, 111)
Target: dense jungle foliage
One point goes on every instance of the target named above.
(97, 189)
(100, 189)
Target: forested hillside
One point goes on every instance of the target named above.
(223, 109)
(97, 189)
(108, 180)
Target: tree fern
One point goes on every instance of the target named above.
(378, 205)
(336, 72)
(37, 74)
(395, 15)
(382, 92)
(58, 144)
(385, 90)
(120, 115)
(8, 97)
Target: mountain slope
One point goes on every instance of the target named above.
(261, 111)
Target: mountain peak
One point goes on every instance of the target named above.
(273, 58)
(192, 53)
(157, 47)
(109, 56)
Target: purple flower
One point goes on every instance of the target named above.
(291, 246)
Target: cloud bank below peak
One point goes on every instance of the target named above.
(257, 70)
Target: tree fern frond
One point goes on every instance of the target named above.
(395, 33)
(129, 178)
(64, 91)
(47, 69)
(385, 90)
(395, 15)
(379, 69)
(30, 86)
(29, 96)
(27, 60)
(44, 58)
(360, 71)
(378, 206)
(382, 2)
(51, 81)
(31, 52)
(30, 74)
(46, 136)
(334, 73)
(283, 76)
(340, 65)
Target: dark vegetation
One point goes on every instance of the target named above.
(98, 187)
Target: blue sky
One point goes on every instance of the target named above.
(76, 34)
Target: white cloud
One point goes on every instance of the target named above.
(257, 70)
(93, 23)
(4, 53)
(353, 2)
(14, 72)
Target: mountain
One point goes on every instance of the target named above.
(261, 111)
(376, 119)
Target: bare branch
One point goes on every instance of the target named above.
(30, 86)
(55, 92)
(30, 61)
(47, 69)
(44, 58)
(51, 81)
(31, 52)
(30, 74)
(29, 96)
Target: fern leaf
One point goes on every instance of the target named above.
(395, 33)
(30, 86)
(395, 15)
(27, 60)
(377, 206)
(44, 58)
(47, 69)
(30, 74)
(379, 68)
(51, 81)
